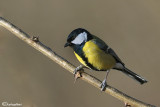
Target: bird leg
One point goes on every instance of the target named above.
(104, 82)
(127, 105)
(76, 73)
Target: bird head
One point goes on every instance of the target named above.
(77, 37)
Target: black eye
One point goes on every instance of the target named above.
(71, 37)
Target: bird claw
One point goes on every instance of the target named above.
(127, 105)
(103, 85)
(76, 72)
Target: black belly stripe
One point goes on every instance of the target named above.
(90, 65)
(87, 63)
(78, 50)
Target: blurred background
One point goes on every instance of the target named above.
(130, 27)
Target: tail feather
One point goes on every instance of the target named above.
(133, 75)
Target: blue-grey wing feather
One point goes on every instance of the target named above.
(102, 45)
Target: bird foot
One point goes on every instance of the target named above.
(103, 85)
(76, 73)
(127, 105)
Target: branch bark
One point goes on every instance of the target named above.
(34, 42)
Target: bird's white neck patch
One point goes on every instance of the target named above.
(80, 38)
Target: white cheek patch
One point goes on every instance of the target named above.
(80, 38)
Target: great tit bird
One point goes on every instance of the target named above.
(96, 55)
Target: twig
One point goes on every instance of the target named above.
(34, 42)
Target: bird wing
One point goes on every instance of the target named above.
(103, 46)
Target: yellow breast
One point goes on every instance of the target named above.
(97, 57)
(80, 59)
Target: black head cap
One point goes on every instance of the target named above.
(75, 33)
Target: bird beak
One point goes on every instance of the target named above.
(67, 44)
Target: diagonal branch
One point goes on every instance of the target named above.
(34, 42)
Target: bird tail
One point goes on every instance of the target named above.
(133, 75)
